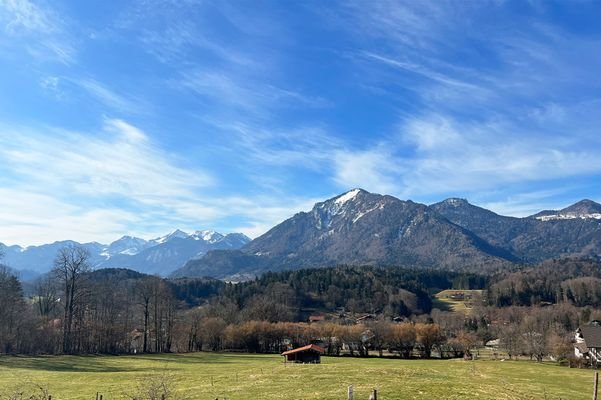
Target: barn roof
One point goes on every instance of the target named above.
(591, 335)
(305, 348)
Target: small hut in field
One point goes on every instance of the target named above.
(310, 354)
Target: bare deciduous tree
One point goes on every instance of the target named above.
(46, 296)
(145, 290)
(429, 336)
(70, 266)
(511, 339)
(12, 307)
(402, 339)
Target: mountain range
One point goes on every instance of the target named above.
(354, 228)
(362, 228)
(159, 256)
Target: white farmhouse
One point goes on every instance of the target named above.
(588, 342)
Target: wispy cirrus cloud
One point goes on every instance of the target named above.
(507, 62)
(37, 29)
(111, 98)
(309, 147)
(248, 94)
(434, 156)
(175, 43)
(118, 168)
(499, 105)
(119, 160)
(474, 156)
(59, 184)
(262, 212)
(72, 88)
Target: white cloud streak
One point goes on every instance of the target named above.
(248, 94)
(38, 30)
(117, 161)
(437, 156)
(30, 218)
(112, 99)
(59, 184)
(84, 174)
(375, 170)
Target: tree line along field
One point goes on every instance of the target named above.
(250, 376)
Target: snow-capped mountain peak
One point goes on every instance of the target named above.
(128, 245)
(175, 234)
(208, 236)
(348, 196)
(455, 201)
(347, 204)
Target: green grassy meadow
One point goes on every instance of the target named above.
(245, 376)
(443, 301)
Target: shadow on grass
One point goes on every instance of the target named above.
(62, 364)
(203, 357)
(441, 305)
(123, 363)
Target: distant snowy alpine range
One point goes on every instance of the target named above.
(160, 256)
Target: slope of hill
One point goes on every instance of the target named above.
(492, 227)
(573, 231)
(572, 280)
(355, 228)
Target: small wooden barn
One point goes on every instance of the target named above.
(310, 354)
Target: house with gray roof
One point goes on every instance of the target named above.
(588, 342)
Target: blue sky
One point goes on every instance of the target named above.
(145, 116)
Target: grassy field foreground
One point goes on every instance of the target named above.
(239, 376)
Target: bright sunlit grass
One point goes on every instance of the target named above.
(244, 376)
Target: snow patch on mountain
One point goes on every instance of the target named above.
(324, 213)
(554, 217)
(455, 201)
(207, 236)
(348, 196)
(363, 213)
(175, 234)
(160, 255)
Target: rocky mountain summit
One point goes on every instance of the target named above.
(358, 227)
